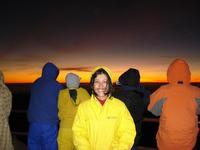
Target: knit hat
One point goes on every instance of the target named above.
(72, 81)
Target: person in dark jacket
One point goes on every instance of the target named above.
(43, 111)
(135, 97)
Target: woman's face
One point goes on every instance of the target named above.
(101, 86)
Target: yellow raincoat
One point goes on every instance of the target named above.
(177, 105)
(107, 127)
(67, 110)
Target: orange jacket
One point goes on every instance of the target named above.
(177, 104)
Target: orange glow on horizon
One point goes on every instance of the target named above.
(85, 77)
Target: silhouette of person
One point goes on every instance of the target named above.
(103, 122)
(43, 110)
(136, 98)
(178, 104)
(5, 109)
(68, 102)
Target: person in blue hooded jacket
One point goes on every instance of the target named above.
(135, 97)
(43, 111)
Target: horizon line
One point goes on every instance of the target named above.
(88, 82)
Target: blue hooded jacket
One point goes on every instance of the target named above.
(44, 96)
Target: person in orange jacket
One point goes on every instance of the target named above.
(178, 105)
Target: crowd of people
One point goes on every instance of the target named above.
(110, 118)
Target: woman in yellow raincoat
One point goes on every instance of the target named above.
(103, 122)
(177, 104)
(68, 102)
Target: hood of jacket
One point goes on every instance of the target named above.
(103, 67)
(50, 71)
(1, 77)
(178, 72)
(130, 78)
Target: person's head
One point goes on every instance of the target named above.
(131, 77)
(50, 71)
(1, 77)
(101, 83)
(72, 81)
(178, 72)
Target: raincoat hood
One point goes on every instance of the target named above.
(50, 71)
(130, 78)
(178, 72)
(103, 67)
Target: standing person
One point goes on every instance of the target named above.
(5, 109)
(43, 111)
(103, 122)
(177, 104)
(136, 98)
(68, 102)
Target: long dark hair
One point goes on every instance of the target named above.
(95, 74)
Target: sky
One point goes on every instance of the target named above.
(77, 36)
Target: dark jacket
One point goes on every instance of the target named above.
(135, 96)
(44, 97)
